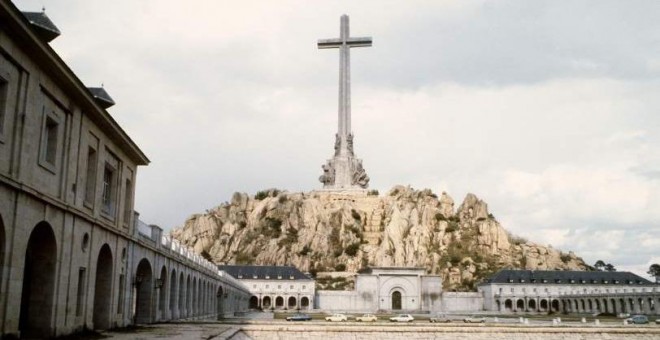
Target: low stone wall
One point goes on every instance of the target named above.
(462, 302)
(407, 332)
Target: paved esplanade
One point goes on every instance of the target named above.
(344, 171)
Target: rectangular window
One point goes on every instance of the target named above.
(81, 291)
(128, 204)
(50, 140)
(4, 90)
(90, 179)
(108, 192)
(120, 302)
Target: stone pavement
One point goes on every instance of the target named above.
(261, 326)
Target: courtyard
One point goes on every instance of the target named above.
(271, 326)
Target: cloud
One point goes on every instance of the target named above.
(546, 110)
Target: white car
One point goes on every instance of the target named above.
(336, 317)
(367, 318)
(402, 318)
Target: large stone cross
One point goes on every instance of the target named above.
(344, 171)
(344, 43)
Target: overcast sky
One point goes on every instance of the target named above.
(547, 110)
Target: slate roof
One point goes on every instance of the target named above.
(264, 272)
(566, 277)
(101, 96)
(45, 28)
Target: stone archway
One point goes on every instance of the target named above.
(304, 303)
(508, 305)
(161, 285)
(182, 297)
(279, 302)
(396, 300)
(554, 306)
(520, 305)
(38, 282)
(531, 305)
(292, 302)
(103, 289)
(543, 305)
(188, 297)
(173, 287)
(144, 286)
(2, 249)
(220, 301)
(254, 302)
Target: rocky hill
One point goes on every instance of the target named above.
(323, 231)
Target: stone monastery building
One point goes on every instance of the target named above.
(73, 254)
(274, 287)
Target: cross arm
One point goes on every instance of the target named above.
(351, 42)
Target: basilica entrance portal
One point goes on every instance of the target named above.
(396, 300)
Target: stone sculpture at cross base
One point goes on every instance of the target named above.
(344, 171)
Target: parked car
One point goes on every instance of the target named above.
(299, 317)
(336, 317)
(638, 319)
(367, 318)
(402, 318)
(474, 319)
(439, 318)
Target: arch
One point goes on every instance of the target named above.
(508, 305)
(38, 282)
(2, 249)
(396, 300)
(520, 304)
(531, 304)
(590, 304)
(219, 302)
(266, 302)
(622, 305)
(103, 289)
(144, 288)
(182, 296)
(193, 298)
(651, 304)
(254, 302)
(583, 305)
(304, 302)
(612, 305)
(597, 305)
(173, 294)
(162, 284)
(188, 297)
(292, 302)
(554, 305)
(279, 302)
(543, 305)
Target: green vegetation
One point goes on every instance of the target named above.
(451, 227)
(440, 217)
(340, 267)
(291, 238)
(271, 227)
(329, 283)
(352, 249)
(372, 192)
(304, 251)
(356, 215)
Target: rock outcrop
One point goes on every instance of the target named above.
(324, 231)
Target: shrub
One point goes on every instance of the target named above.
(352, 249)
(565, 258)
(451, 227)
(272, 227)
(340, 267)
(372, 192)
(440, 217)
(356, 215)
(261, 195)
(304, 251)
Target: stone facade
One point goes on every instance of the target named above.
(275, 287)
(71, 254)
(525, 291)
(386, 289)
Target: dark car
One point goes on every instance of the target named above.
(299, 317)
